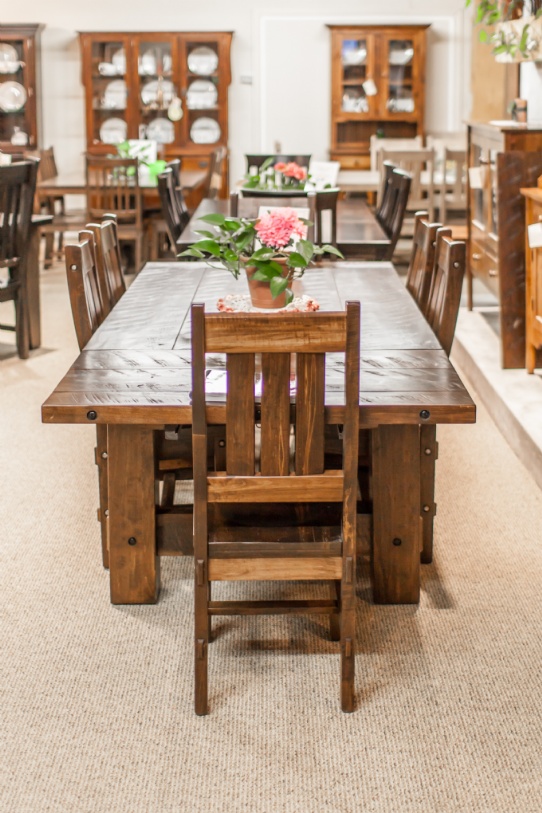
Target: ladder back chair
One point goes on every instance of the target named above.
(112, 284)
(377, 144)
(174, 212)
(17, 190)
(391, 219)
(420, 164)
(217, 173)
(453, 186)
(113, 187)
(224, 552)
(422, 259)
(384, 200)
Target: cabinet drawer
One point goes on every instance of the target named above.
(353, 161)
(485, 267)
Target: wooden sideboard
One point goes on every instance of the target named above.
(533, 283)
(502, 159)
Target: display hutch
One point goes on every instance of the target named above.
(169, 87)
(533, 279)
(503, 157)
(20, 101)
(377, 87)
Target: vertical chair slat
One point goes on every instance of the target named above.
(240, 440)
(309, 443)
(275, 414)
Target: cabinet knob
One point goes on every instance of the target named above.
(476, 256)
(493, 272)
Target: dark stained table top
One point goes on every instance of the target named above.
(136, 367)
(357, 228)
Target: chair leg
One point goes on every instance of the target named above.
(22, 327)
(348, 634)
(103, 510)
(49, 249)
(201, 641)
(335, 618)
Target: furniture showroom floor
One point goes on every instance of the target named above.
(97, 706)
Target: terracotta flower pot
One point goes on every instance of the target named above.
(260, 292)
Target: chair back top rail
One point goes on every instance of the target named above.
(174, 213)
(84, 287)
(422, 259)
(445, 294)
(107, 254)
(392, 218)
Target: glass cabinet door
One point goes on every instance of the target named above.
(358, 85)
(158, 100)
(400, 73)
(109, 97)
(205, 92)
(17, 125)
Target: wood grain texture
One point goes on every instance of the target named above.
(297, 569)
(327, 486)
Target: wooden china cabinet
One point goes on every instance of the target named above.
(503, 157)
(377, 87)
(169, 87)
(20, 98)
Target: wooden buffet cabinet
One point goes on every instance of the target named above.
(20, 127)
(169, 87)
(377, 87)
(502, 159)
(533, 283)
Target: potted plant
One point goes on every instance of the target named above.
(280, 176)
(517, 34)
(272, 250)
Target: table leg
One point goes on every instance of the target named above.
(101, 457)
(33, 286)
(134, 566)
(397, 523)
(428, 458)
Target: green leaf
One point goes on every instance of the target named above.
(306, 249)
(482, 35)
(263, 275)
(278, 285)
(230, 255)
(289, 296)
(231, 225)
(192, 252)
(332, 250)
(263, 254)
(524, 37)
(296, 260)
(243, 242)
(467, 3)
(215, 219)
(267, 163)
(210, 246)
(205, 233)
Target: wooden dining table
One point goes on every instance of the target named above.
(134, 376)
(358, 230)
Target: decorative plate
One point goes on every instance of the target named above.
(151, 90)
(353, 53)
(401, 56)
(119, 61)
(9, 59)
(115, 95)
(113, 131)
(201, 94)
(203, 61)
(205, 131)
(12, 96)
(147, 63)
(161, 130)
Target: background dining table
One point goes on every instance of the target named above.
(134, 376)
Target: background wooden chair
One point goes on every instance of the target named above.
(174, 211)
(419, 164)
(223, 551)
(55, 205)
(218, 173)
(107, 250)
(392, 218)
(453, 184)
(17, 190)
(422, 259)
(384, 199)
(113, 186)
(326, 201)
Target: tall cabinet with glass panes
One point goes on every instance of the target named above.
(377, 88)
(20, 99)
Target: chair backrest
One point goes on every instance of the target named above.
(453, 186)
(416, 162)
(113, 186)
(422, 259)
(175, 166)
(84, 287)
(276, 337)
(377, 144)
(383, 195)
(445, 294)
(392, 219)
(217, 172)
(48, 168)
(176, 218)
(17, 188)
(326, 200)
(257, 159)
(108, 263)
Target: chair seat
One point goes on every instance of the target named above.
(74, 221)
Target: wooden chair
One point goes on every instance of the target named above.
(301, 202)
(453, 185)
(224, 552)
(326, 200)
(392, 218)
(175, 215)
(107, 250)
(17, 189)
(217, 173)
(113, 186)
(376, 144)
(420, 164)
(55, 205)
(384, 199)
(441, 313)
(422, 259)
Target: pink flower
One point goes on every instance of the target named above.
(280, 166)
(293, 170)
(277, 227)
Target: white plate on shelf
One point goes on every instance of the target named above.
(203, 61)
(12, 97)
(151, 90)
(354, 56)
(119, 61)
(115, 95)
(401, 57)
(161, 130)
(9, 59)
(205, 131)
(147, 64)
(201, 95)
(113, 131)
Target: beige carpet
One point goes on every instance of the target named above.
(96, 701)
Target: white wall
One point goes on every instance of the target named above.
(283, 50)
(531, 89)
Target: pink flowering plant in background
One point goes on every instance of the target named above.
(279, 235)
(280, 175)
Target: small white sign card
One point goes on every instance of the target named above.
(476, 177)
(534, 232)
(323, 173)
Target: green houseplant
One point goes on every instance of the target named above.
(272, 250)
(516, 33)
